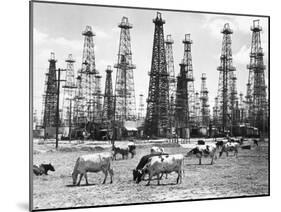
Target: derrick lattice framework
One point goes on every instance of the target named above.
(141, 114)
(197, 108)
(204, 98)
(181, 113)
(225, 88)
(97, 99)
(124, 86)
(50, 96)
(256, 88)
(156, 122)
(68, 91)
(108, 104)
(84, 99)
(172, 79)
(187, 60)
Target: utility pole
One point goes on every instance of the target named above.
(57, 110)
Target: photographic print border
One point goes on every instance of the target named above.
(31, 102)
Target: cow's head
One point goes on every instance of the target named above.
(139, 175)
(51, 167)
(74, 177)
(194, 151)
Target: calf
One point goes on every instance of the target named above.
(230, 147)
(200, 151)
(156, 150)
(162, 164)
(43, 169)
(92, 163)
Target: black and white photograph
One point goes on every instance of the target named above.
(143, 105)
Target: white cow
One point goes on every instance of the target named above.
(207, 150)
(157, 165)
(156, 149)
(92, 163)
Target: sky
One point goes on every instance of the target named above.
(58, 28)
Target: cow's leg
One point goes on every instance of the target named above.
(158, 179)
(111, 175)
(226, 153)
(161, 175)
(105, 176)
(80, 178)
(200, 160)
(179, 176)
(86, 178)
(149, 178)
(212, 160)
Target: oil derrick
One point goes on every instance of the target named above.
(197, 108)
(97, 100)
(124, 86)
(216, 113)
(141, 108)
(241, 108)
(256, 89)
(181, 110)
(187, 60)
(233, 99)
(50, 96)
(108, 103)
(225, 79)
(84, 99)
(205, 114)
(172, 80)
(156, 122)
(68, 94)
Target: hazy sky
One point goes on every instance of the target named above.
(58, 28)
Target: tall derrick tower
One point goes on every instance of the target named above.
(205, 113)
(141, 108)
(68, 93)
(124, 86)
(172, 80)
(197, 108)
(187, 60)
(108, 104)
(216, 113)
(181, 110)
(84, 99)
(156, 122)
(97, 100)
(225, 79)
(50, 96)
(241, 108)
(256, 89)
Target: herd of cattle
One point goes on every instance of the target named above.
(156, 163)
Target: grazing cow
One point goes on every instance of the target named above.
(162, 164)
(43, 169)
(156, 150)
(132, 148)
(122, 151)
(208, 150)
(92, 163)
(230, 147)
(142, 163)
(201, 142)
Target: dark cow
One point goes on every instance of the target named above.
(201, 142)
(43, 169)
(143, 161)
(256, 142)
(122, 151)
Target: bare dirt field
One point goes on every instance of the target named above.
(229, 177)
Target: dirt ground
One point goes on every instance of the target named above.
(228, 177)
